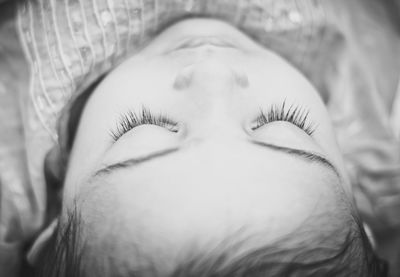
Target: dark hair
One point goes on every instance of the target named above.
(65, 256)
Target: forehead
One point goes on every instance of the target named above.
(172, 202)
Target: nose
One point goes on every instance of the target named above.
(215, 90)
(210, 76)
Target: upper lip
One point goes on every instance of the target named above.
(202, 41)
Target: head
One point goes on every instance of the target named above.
(206, 154)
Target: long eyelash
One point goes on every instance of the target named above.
(130, 120)
(294, 114)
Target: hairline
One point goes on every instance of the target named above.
(280, 245)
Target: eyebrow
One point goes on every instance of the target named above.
(298, 153)
(302, 154)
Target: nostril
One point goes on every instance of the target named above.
(183, 79)
(242, 80)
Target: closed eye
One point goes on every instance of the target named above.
(296, 115)
(130, 120)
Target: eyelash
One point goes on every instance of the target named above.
(294, 114)
(130, 120)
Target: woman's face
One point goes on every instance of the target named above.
(199, 135)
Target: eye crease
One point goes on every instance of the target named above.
(296, 115)
(130, 120)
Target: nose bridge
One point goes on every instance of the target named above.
(218, 124)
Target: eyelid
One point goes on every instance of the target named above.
(130, 120)
(295, 115)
